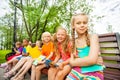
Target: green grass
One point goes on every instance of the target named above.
(2, 55)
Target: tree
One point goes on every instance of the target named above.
(38, 16)
(6, 30)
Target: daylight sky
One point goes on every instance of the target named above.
(108, 8)
(111, 10)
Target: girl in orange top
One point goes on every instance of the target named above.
(47, 51)
(47, 48)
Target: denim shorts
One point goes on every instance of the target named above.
(19, 57)
(47, 63)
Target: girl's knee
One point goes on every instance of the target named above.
(16, 60)
(59, 74)
(38, 68)
(51, 70)
(33, 67)
(30, 59)
(23, 59)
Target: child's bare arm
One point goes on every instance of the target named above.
(56, 59)
(91, 59)
(17, 52)
(66, 62)
(51, 54)
(100, 60)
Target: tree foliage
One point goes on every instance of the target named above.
(38, 16)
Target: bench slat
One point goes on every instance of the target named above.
(112, 71)
(115, 58)
(111, 77)
(106, 39)
(114, 44)
(112, 65)
(114, 51)
(107, 34)
(112, 74)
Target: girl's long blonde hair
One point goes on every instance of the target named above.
(73, 28)
(64, 44)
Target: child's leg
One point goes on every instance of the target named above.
(13, 70)
(18, 65)
(33, 72)
(12, 64)
(9, 67)
(52, 73)
(26, 68)
(11, 61)
(38, 71)
(3, 65)
(15, 62)
(21, 70)
(62, 73)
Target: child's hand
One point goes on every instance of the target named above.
(41, 62)
(40, 49)
(14, 49)
(34, 59)
(52, 64)
(100, 60)
(72, 59)
(17, 53)
(61, 65)
(75, 55)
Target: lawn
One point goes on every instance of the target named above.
(2, 55)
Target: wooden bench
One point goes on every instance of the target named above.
(110, 49)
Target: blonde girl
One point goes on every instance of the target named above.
(62, 48)
(47, 52)
(85, 66)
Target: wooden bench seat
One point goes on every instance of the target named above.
(110, 49)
